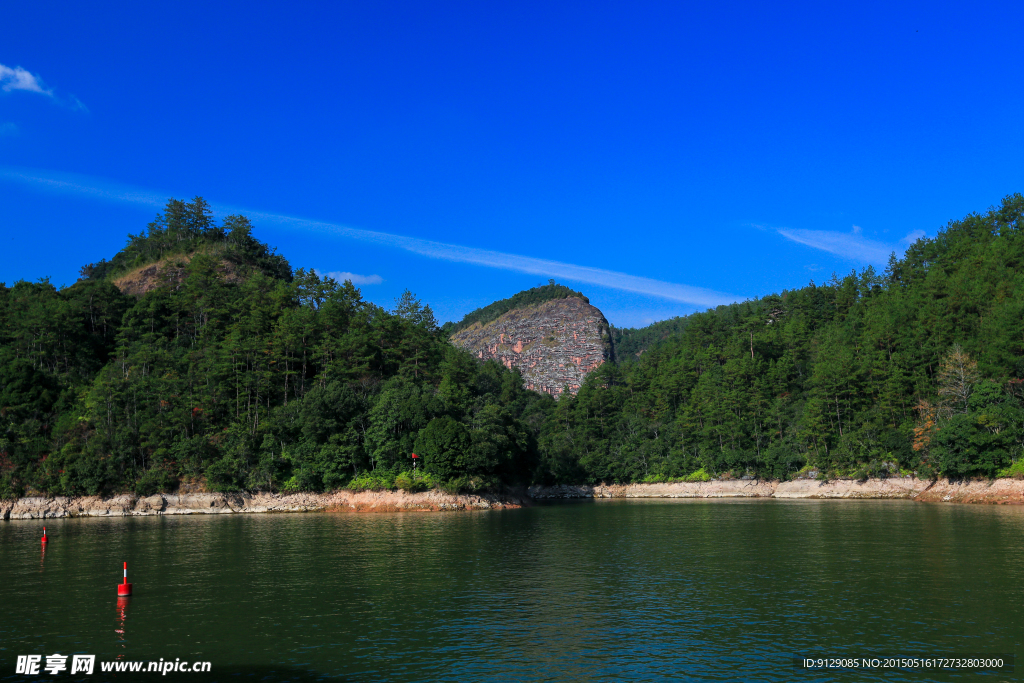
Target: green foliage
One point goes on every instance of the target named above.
(699, 475)
(269, 382)
(187, 227)
(446, 448)
(468, 485)
(985, 437)
(284, 382)
(529, 297)
(630, 343)
(375, 480)
(400, 412)
(832, 376)
(404, 481)
(416, 480)
(1014, 471)
(154, 480)
(409, 308)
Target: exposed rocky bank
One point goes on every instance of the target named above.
(999, 492)
(127, 505)
(167, 272)
(554, 344)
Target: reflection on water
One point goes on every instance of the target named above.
(610, 590)
(122, 616)
(42, 556)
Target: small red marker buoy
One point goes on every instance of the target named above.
(45, 539)
(124, 589)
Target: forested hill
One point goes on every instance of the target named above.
(274, 381)
(285, 381)
(186, 228)
(630, 342)
(914, 369)
(529, 297)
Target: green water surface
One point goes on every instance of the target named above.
(597, 590)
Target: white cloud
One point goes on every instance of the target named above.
(912, 237)
(20, 79)
(850, 245)
(68, 183)
(356, 278)
(523, 264)
(672, 291)
(17, 78)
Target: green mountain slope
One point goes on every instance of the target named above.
(854, 376)
(275, 381)
(285, 381)
(631, 342)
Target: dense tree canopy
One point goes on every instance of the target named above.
(289, 381)
(849, 377)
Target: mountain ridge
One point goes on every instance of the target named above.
(283, 383)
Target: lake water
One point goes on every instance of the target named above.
(597, 590)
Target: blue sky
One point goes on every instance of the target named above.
(662, 157)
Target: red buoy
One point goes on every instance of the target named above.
(125, 588)
(45, 539)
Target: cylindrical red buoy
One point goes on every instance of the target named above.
(125, 588)
(45, 539)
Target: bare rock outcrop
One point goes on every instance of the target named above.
(994, 491)
(229, 503)
(733, 488)
(167, 272)
(997, 491)
(893, 487)
(555, 344)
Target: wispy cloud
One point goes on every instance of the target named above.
(672, 291)
(356, 278)
(17, 78)
(20, 79)
(66, 183)
(912, 237)
(76, 104)
(851, 245)
(515, 262)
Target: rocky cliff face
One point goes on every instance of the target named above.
(554, 344)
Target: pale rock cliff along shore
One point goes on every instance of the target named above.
(998, 491)
(127, 505)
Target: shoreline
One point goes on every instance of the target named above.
(991, 492)
(977, 491)
(129, 505)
